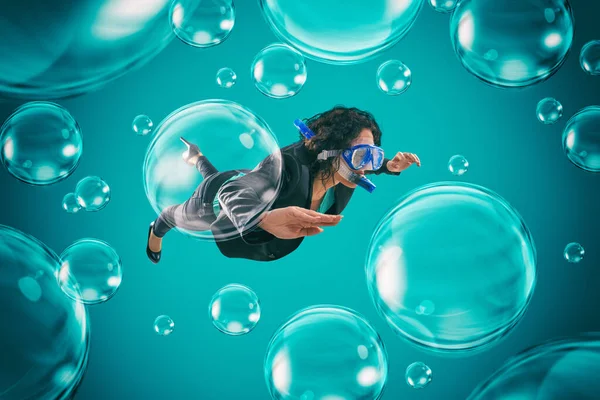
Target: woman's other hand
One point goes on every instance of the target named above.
(294, 222)
(402, 161)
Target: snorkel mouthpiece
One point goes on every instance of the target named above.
(366, 184)
(359, 180)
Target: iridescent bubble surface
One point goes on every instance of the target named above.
(79, 49)
(462, 249)
(549, 110)
(164, 325)
(234, 309)
(70, 203)
(589, 57)
(443, 6)
(581, 139)
(512, 43)
(393, 77)
(338, 32)
(142, 125)
(557, 370)
(93, 194)
(278, 71)
(203, 23)
(45, 337)
(226, 78)
(40, 143)
(574, 252)
(326, 352)
(418, 375)
(231, 136)
(90, 271)
(458, 165)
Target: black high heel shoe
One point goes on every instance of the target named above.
(154, 256)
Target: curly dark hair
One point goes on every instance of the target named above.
(336, 129)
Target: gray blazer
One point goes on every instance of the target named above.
(243, 201)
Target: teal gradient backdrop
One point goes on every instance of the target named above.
(446, 111)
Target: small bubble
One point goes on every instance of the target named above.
(574, 252)
(164, 325)
(226, 78)
(142, 125)
(393, 77)
(234, 309)
(458, 165)
(418, 375)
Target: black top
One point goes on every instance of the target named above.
(243, 201)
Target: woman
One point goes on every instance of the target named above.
(319, 175)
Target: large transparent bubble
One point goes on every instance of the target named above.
(44, 338)
(231, 137)
(40, 143)
(581, 139)
(558, 370)
(512, 43)
(452, 267)
(326, 352)
(341, 32)
(60, 48)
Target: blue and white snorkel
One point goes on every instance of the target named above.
(344, 169)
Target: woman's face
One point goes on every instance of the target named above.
(365, 137)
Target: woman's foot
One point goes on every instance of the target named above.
(154, 246)
(192, 154)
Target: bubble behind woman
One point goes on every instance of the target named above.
(230, 135)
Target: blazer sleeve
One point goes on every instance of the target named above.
(245, 199)
(382, 170)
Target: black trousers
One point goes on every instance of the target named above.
(195, 214)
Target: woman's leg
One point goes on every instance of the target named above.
(188, 215)
(193, 215)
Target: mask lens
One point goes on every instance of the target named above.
(358, 157)
(377, 158)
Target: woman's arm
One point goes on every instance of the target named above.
(399, 163)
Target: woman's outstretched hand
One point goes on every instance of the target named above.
(401, 161)
(294, 222)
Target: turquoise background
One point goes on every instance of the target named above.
(446, 111)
